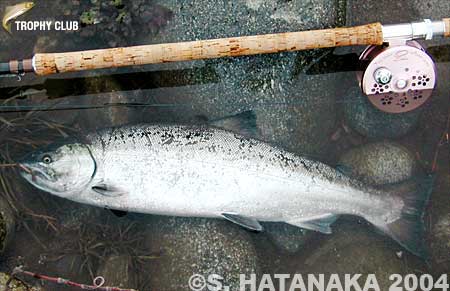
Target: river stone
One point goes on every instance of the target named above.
(287, 237)
(441, 241)
(106, 90)
(69, 265)
(116, 272)
(371, 122)
(7, 225)
(379, 163)
(198, 246)
(354, 249)
(440, 218)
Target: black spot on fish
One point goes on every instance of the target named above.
(306, 165)
(212, 148)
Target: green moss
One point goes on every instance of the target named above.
(117, 3)
(121, 16)
(89, 17)
(14, 285)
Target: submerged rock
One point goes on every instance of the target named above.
(116, 272)
(379, 163)
(440, 219)
(198, 246)
(7, 225)
(304, 121)
(287, 237)
(441, 235)
(369, 121)
(105, 91)
(70, 265)
(357, 250)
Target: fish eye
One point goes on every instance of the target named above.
(46, 159)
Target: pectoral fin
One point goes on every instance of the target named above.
(108, 190)
(247, 222)
(118, 213)
(320, 223)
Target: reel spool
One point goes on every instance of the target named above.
(398, 78)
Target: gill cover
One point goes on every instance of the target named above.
(62, 170)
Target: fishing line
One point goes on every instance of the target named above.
(46, 108)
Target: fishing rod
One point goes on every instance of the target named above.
(400, 75)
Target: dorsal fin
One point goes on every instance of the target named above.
(243, 123)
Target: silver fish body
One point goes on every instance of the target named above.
(191, 171)
(209, 172)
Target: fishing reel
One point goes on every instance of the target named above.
(398, 77)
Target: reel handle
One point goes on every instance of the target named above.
(50, 63)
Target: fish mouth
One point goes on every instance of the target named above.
(25, 168)
(33, 173)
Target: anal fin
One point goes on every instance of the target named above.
(247, 222)
(319, 223)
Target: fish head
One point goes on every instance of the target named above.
(60, 169)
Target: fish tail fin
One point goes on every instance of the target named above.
(409, 229)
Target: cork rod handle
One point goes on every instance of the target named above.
(50, 63)
(447, 27)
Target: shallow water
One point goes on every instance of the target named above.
(307, 102)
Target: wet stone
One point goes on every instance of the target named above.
(440, 229)
(105, 90)
(7, 225)
(356, 249)
(69, 266)
(287, 237)
(198, 246)
(305, 120)
(45, 44)
(116, 272)
(379, 163)
(373, 123)
(441, 233)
